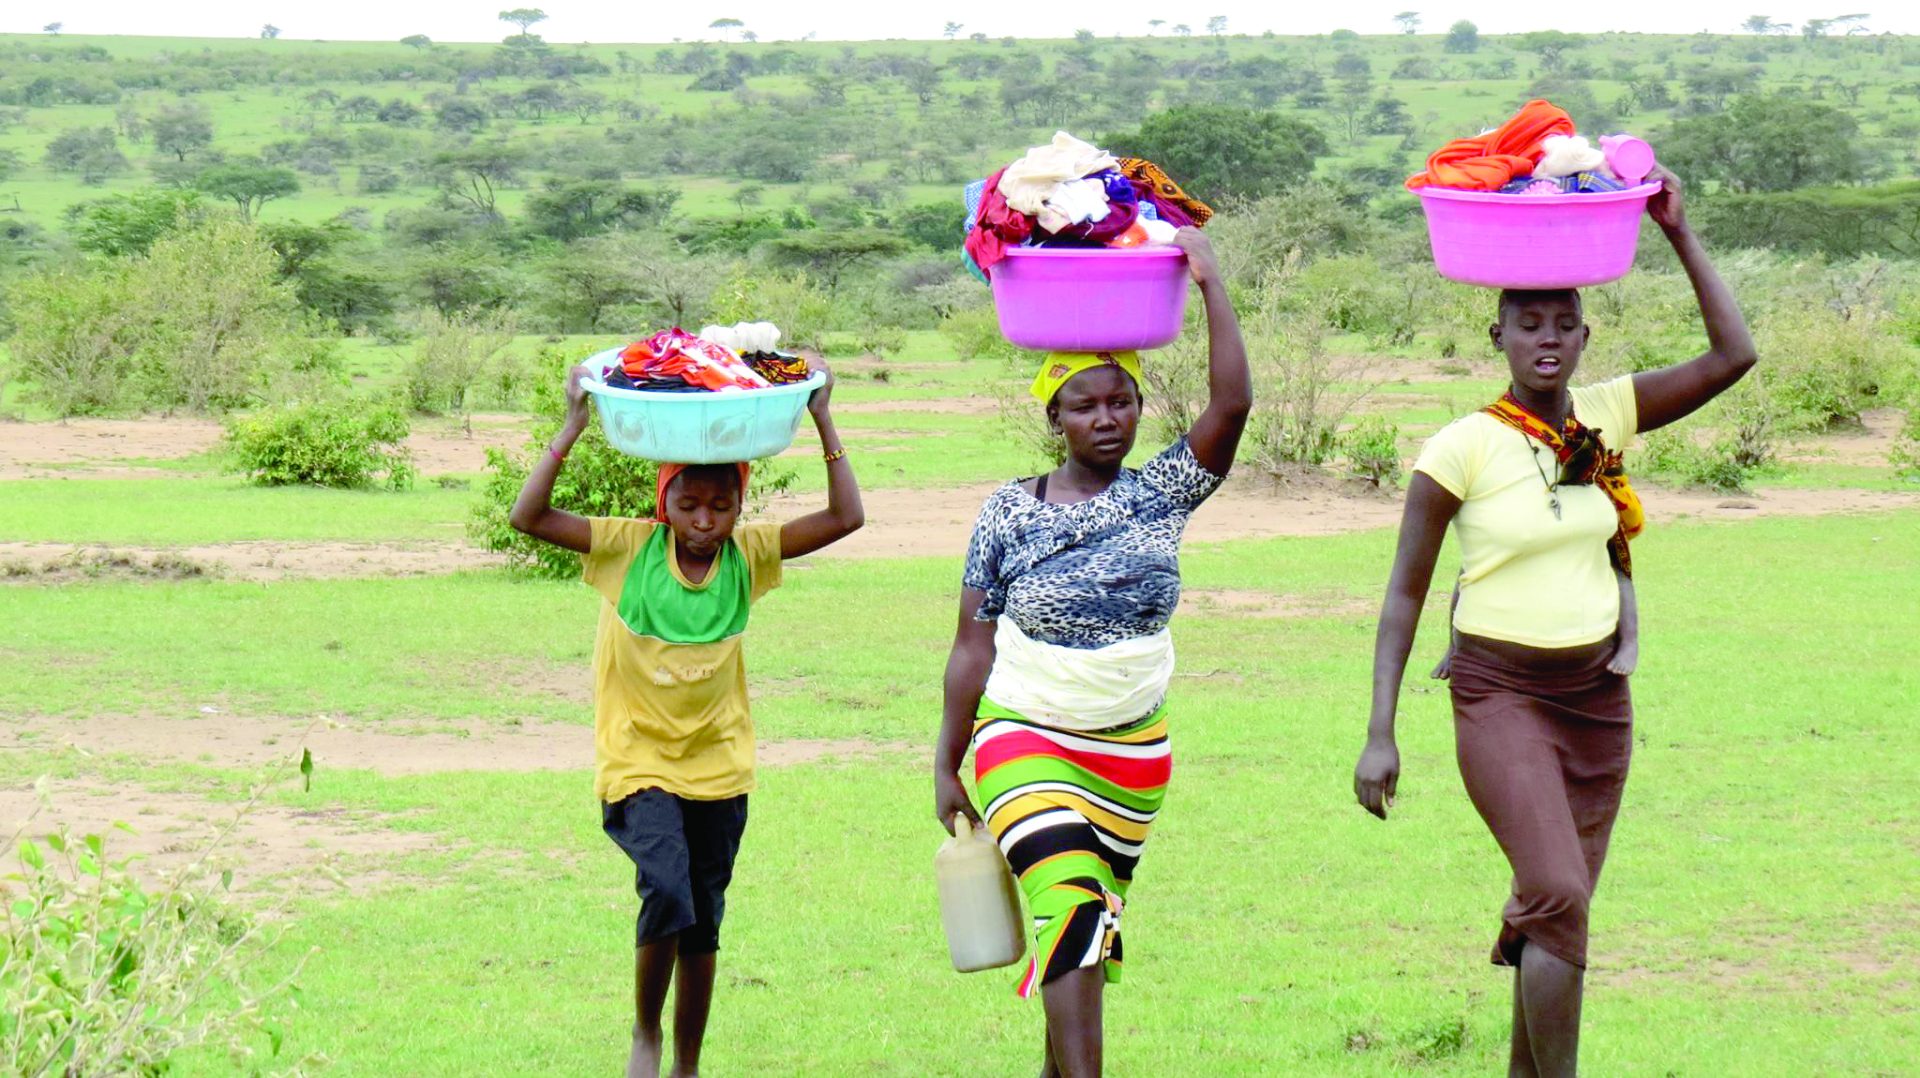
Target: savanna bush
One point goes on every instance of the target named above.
(1372, 450)
(101, 973)
(330, 443)
(457, 353)
(803, 311)
(203, 322)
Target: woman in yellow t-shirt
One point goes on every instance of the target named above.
(672, 738)
(1542, 715)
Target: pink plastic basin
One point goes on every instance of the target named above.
(1534, 241)
(1091, 299)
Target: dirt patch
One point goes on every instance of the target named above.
(461, 446)
(931, 406)
(249, 741)
(261, 561)
(92, 448)
(937, 521)
(1864, 446)
(33, 450)
(1667, 504)
(1237, 603)
(170, 831)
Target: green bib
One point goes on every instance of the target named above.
(655, 602)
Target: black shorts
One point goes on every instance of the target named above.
(682, 853)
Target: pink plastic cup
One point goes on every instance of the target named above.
(1630, 158)
(1534, 241)
(1091, 299)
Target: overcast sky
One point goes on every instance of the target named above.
(608, 22)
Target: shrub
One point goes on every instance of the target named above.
(974, 332)
(1372, 449)
(1303, 392)
(454, 354)
(73, 338)
(347, 444)
(803, 312)
(99, 974)
(1905, 454)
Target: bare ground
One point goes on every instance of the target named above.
(239, 741)
(171, 831)
(250, 560)
(102, 448)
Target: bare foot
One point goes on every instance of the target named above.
(1626, 656)
(644, 1061)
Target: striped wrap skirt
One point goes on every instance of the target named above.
(1071, 811)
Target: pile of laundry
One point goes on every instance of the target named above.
(1071, 194)
(1537, 152)
(717, 359)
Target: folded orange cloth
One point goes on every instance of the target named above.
(1489, 162)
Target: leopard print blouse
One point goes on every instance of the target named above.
(1095, 572)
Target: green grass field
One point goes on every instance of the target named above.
(1757, 917)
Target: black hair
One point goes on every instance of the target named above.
(727, 474)
(1515, 297)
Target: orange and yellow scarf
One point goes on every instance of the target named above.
(1596, 464)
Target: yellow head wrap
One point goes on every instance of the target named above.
(1062, 366)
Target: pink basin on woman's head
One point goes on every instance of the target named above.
(1091, 299)
(1534, 241)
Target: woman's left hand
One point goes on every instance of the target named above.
(1201, 261)
(817, 403)
(1667, 207)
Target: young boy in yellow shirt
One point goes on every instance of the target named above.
(673, 740)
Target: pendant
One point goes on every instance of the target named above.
(1554, 501)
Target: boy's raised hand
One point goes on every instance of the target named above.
(577, 397)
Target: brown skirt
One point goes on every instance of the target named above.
(1543, 748)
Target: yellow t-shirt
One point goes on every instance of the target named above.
(1525, 576)
(669, 684)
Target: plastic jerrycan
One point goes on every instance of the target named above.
(979, 902)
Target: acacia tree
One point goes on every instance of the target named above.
(1463, 36)
(726, 24)
(248, 186)
(523, 17)
(952, 30)
(181, 130)
(269, 32)
(53, 28)
(417, 41)
(1409, 22)
(1217, 25)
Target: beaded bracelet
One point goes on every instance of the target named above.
(838, 454)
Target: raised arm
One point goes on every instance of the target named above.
(1675, 392)
(844, 514)
(533, 511)
(1423, 527)
(967, 667)
(1215, 436)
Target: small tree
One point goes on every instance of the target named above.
(269, 32)
(92, 152)
(1409, 22)
(1219, 151)
(417, 41)
(830, 253)
(181, 129)
(1217, 25)
(952, 30)
(726, 25)
(524, 18)
(53, 28)
(248, 186)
